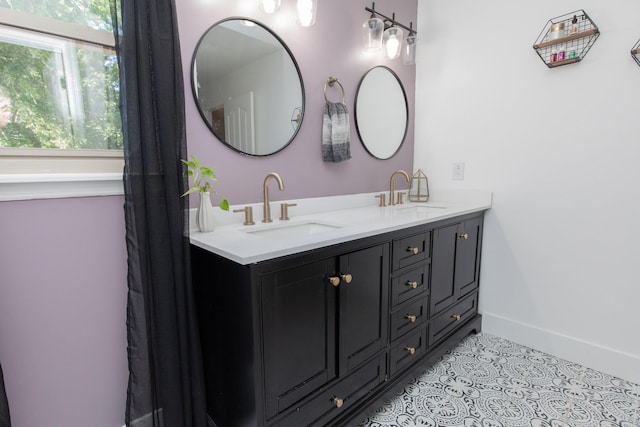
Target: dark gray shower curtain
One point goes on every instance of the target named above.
(5, 419)
(166, 386)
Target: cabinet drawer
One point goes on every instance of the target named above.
(323, 406)
(407, 285)
(449, 320)
(411, 249)
(408, 349)
(409, 317)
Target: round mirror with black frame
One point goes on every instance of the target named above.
(247, 86)
(382, 112)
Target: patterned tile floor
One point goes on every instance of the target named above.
(490, 382)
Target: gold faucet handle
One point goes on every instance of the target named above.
(400, 196)
(383, 200)
(284, 210)
(248, 215)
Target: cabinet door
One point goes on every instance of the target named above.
(298, 318)
(363, 305)
(443, 262)
(467, 257)
(454, 263)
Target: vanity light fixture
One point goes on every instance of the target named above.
(306, 12)
(409, 47)
(372, 31)
(392, 40)
(269, 6)
(391, 43)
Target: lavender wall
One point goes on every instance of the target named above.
(332, 47)
(62, 311)
(63, 262)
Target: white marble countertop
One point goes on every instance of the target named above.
(325, 221)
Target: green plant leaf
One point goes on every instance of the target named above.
(189, 164)
(195, 161)
(208, 172)
(199, 175)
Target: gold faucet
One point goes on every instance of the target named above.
(392, 186)
(266, 209)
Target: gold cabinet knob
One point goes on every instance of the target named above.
(338, 402)
(347, 278)
(412, 285)
(456, 317)
(411, 318)
(410, 350)
(464, 236)
(413, 250)
(335, 281)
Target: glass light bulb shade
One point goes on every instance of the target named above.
(392, 42)
(306, 12)
(409, 46)
(269, 6)
(372, 31)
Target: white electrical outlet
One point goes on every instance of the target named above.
(457, 171)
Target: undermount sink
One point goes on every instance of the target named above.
(422, 208)
(294, 229)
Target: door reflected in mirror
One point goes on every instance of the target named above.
(382, 112)
(247, 87)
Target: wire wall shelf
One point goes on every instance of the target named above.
(635, 52)
(566, 39)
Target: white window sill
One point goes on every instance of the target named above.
(59, 185)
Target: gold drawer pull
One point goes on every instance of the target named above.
(413, 250)
(411, 318)
(335, 281)
(412, 285)
(338, 402)
(464, 236)
(347, 278)
(410, 350)
(456, 317)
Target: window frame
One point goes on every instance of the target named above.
(24, 170)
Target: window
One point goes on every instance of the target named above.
(59, 88)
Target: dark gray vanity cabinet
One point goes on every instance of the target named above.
(454, 276)
(321, 321)
(299, 333)
(291, 341)
(322, 337)
(409, 299)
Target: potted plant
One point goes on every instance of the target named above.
(202, 177)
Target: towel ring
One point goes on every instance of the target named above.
(330, 82)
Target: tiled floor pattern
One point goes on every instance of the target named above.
(490, 382)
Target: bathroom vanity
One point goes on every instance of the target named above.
(318, 320)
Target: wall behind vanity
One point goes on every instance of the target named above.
(332, 47)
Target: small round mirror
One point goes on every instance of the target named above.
(382, 112)
(247, 87)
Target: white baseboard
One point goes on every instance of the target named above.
(613, 362)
